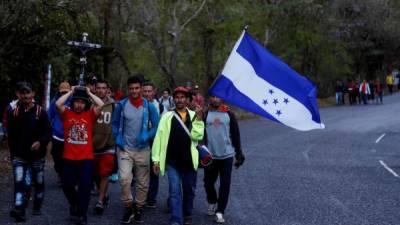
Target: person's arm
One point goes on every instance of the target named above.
(45, 132)
(154, 119)
(204, 141)
(116, 117)
(156, 148)
(235, 137)
(52, 112)
(61, 101)
(98, 103)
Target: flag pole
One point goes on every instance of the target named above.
(245, 28)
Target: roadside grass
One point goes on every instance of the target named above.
(326, 102)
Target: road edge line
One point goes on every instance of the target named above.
(380, 138)
(388, 168)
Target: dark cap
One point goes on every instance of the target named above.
(24, 86)
(181, 89)
(80, 94)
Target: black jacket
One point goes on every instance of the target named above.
(26, 127)
(178, 151)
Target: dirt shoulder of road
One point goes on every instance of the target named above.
(5, 166)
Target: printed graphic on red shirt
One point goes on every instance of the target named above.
(78, 132)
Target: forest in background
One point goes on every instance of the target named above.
(175, 41)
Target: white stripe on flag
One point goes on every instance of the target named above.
(243, 76)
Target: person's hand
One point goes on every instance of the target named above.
(35, 146)
(88, 90)
(239, 160)
(73, 89)
(156, 168)
(199, 112)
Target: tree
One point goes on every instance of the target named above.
(162, 25)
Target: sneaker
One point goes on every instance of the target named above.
(113, 178)
(187, 220)
(219, 217)
(128, 215)
(211, 209)
(138, 215)
(18, 215)
(99, 208)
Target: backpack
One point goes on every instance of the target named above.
(169, 101)
(38, 111)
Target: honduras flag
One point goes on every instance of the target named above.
(256, 80)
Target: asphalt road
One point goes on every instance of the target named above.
(345, 174)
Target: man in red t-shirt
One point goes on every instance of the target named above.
(78, 148)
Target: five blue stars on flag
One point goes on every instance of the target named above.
(275, 101)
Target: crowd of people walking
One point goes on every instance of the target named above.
(95, 134)
(365, 92)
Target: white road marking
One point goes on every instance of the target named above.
(388, 168)
(379, 138)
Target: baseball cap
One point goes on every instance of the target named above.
(181, 89)
(80, 94)
(24, 86)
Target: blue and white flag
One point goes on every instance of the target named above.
(256, 80)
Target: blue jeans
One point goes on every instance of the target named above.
(339, 96)
(181, 204)
(77, 173)
(364, 98)
(25, 174)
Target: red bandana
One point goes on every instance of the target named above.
(223, 108)
(137, 102)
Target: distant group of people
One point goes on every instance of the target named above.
(363, 92)
(140, 136)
